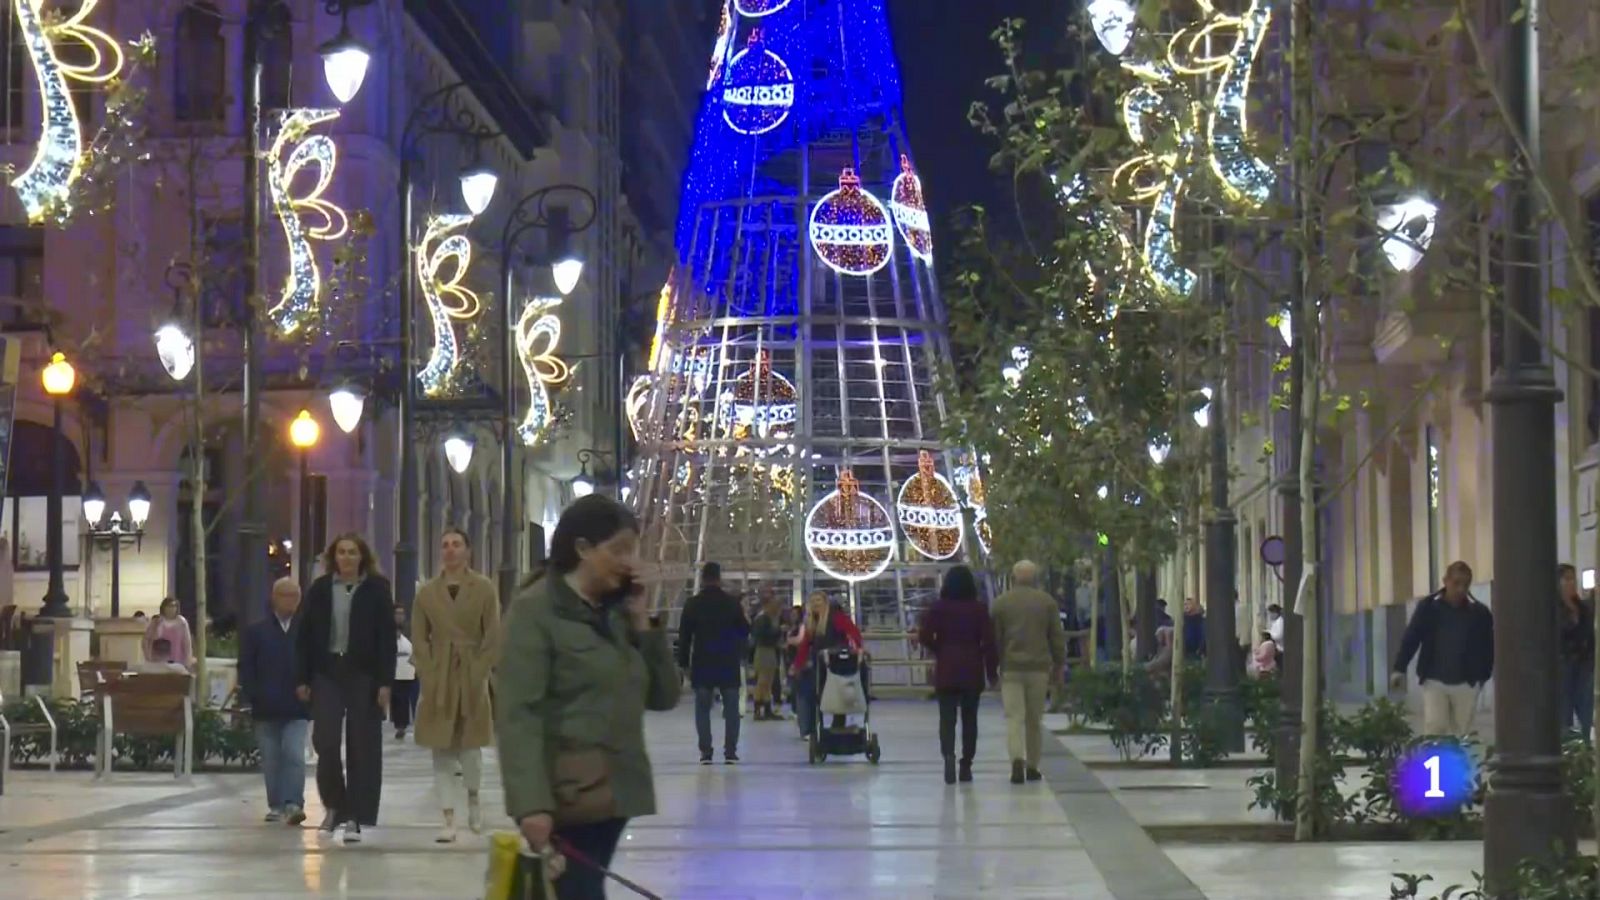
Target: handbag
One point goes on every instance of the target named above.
(581, 785)
(514, 873)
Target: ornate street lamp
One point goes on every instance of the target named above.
(116, 532)
(458, 451)
(176, 350)
(347, 401)
(304, 432)
(58, 379)
(344, 59)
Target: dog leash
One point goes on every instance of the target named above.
(573, 854)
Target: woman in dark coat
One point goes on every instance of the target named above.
(957, 630)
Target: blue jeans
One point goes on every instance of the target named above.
(283, 761)
(1577, 695)
(703, 697)
(805, 700)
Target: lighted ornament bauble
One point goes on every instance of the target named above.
(848, 534)
(930, 515)
(985, 535)
(757, 89)
(850, 229)
(911, 212)
(719, 51)
(761, 403)
(755, 9)
(971, 482)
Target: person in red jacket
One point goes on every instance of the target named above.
(957, 630)
(827, 626)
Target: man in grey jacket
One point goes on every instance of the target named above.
(1033, 654)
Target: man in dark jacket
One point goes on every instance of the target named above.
(1452, 637)
(267, 683)
(711, 641)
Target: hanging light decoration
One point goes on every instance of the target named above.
(566, 272)
(929, 514)
(447, 299)
(303, 286)
(347, 402)
(538, 331)
(477, 187)
(458, 452)
(757, 89)
(848, 534)
(176, 350)
(1286, 327)
(850, 229)
(1159, 448)
(977, 499)
(723, 45)
(1112, 21)
(1406, 231)
(762, 402)
(637, 405)
(1202, 416)
(1012, 372)
(911, 211)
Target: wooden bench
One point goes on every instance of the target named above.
(93, 673)
(148, 704)
(8, 730)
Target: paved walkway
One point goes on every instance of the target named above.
(771, 827)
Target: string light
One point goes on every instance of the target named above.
(1159, 449)
(663, 319)
(637, 404)
(850, 229)
(848, 534)
(1202, 416)
(448, 301)
(1244, 177)
(1407, 231)
(1012, 372)
(724, 43)
(757, 89)
(928, 511)
(911, 211)
(538, 332)
(302, 288)
(756, 9)
(762, 401)
(58, 162)
(977, 499)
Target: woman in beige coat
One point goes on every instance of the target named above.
(455, 635)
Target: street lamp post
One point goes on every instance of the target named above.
(58, 378)
(303, 434)
(531, 212)
(583, 485)
(434, 114)
(1222, 678)
(115, 532)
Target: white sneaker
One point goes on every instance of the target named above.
(475, 815)
(446, 835)
(352, 832)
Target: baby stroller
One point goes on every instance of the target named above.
(840, 693)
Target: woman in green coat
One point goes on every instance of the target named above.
(581, 662)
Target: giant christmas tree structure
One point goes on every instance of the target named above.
(791, 428)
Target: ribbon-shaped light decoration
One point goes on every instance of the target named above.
(303, 287)
(1155, 176)
(1244, 178)
(58, 162)
(538, 332)
(448, 300)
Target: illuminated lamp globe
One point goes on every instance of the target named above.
(477, 188)
(139, 505)
(1159, 450)
(848, 534)
(176, 350)
(347, 402)
(59, 377)
(1113, 22)
(94, 504)
(566, 272)
(344, 65)
(1407, 231)
(850, 229)
(582, 486)
(1286, 327)
(458, 452)
(1202, 416)
(304, 431)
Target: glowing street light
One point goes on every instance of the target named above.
(1286, 327)
(1159, 450)
(1202, 416)
(458, 452)
(59, 376)
(176, 350)
(347, 403)
(477, 188)
(1113, 22)
(344, 64)
(1407, 231)
(304, 431)
(566, 272)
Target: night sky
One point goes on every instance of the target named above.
(946, 54)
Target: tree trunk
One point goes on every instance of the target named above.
(1094, 611)
(1309, 327)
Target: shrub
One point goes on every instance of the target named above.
(219, 741)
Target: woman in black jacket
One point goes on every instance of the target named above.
(345, 660)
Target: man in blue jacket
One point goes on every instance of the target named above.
(712, 634)
(1452, 637)
(267, 684)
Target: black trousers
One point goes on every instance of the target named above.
(597, 843)
(966, 702)
(345, 703)
(402, 704)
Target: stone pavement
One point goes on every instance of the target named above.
(770, 827)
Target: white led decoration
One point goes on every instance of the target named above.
(458, 452)
(929, 514)
(850, 229)
(1406, 230)
(1202, 416)
(302, 288)
(1244, 178)
(761, 403)
(448, 301)
(1103, 492)
(1154, 178)
(911, 211)
(1286, 327)
(977, 500)
(757, 89)
(723, 45)
(176, 351)
(1158, 450)
(59, 160)
(538, 332)
(1113, 22)
(1012, 371)
(637, 404)
(848, 534)
(755, 9)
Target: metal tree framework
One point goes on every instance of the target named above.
(790, 427)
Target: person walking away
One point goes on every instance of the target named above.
(767, 635)
(267, 684)
(1159, 665)
(1033, 647)
(1452, 637)
(712, 633)
(827, 626)
(957, 630)
(1194, 629)
(403, 699)
(1577, 653)
(344, 656)
(456, 634)
(581, 661)
(173, 628)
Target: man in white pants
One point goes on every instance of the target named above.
(1452, 637)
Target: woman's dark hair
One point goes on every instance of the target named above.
(593, 519)
(1266, 635)
(369, 562)
(959, 584)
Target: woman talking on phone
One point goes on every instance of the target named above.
(581, 662)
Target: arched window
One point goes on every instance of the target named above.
(277, 57)
(200, 65)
